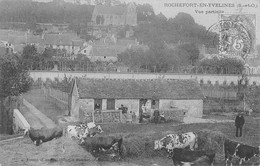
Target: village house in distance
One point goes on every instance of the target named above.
(120, 15)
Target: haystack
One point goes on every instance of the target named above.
(141, 145)
(63, 149)
(211, 140)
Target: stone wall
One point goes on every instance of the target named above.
(187, 107)
(228, 79)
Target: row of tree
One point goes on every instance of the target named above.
(180, 29)
(221, 65)
(184, 58)
(160, 58)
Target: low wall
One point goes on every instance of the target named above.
(19, 122)
(228, 78)
(176, 115)
(103, 117)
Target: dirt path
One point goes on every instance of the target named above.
(32, 119)
(46, 107)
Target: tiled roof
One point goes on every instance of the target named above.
(126, 42)
(66, 39)
(19, 47)
(104, 52)
(113, 10)
(33, 38)
(16, 39)
(137, 89)
(62, 39)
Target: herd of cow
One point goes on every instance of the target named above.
(181, 148)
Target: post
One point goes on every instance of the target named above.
(120, 115)
(244, 101)
(101, 114)
(93, 116)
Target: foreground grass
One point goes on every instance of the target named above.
(17, 152)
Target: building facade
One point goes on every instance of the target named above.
(110, 94)
(119, 15)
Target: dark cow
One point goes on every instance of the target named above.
(242, 151)
(44, 134)
(95, 144)
(181, 155)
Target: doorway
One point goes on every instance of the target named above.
(141, 103)
(155, 103)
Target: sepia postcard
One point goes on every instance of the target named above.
(129, 82)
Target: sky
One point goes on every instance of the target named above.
(205, 16)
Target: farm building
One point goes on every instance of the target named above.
(88, 95)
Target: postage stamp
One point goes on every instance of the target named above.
(129, 82)
(237, 34)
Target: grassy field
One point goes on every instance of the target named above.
(251, 135)
(138, 137)
(22, 150)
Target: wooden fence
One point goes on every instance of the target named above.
(63, 96)
(103, 116)
(223, 94)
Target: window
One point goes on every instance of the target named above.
(110, 104)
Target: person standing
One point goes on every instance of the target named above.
(156, 115)
(239, 122)
(141, 116)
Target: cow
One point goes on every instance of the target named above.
(95, 144)
(182, 155)
(242, 151)
(171, 141)
(38, 136)
(81, 131)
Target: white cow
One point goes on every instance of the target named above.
(172, 141)
(81, 131)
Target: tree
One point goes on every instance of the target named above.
(15, 77)
(30, 57)
(29, 51)
(222, 65)
(145, 12)
(192, 51)
(156, 59)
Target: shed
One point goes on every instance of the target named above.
(108, 94)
